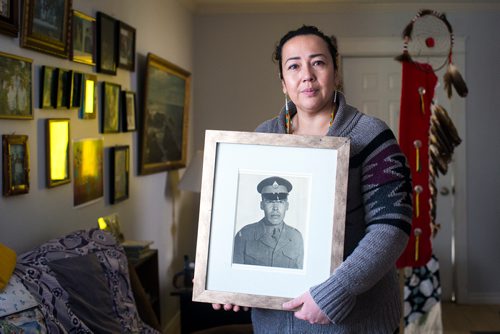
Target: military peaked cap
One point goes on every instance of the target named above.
(275, 182)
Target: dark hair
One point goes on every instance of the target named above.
(331, 42)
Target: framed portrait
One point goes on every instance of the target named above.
(128, 107)
(9, 17)
(83, 38)
(88, 104)
(110, 115)
(87, 171)
(126, 46)
(106, 44)
(48, 87)
(57, 148)
(16, 167)
(15, 87)
(119, 173)
(164, 126)
(45, 26)
(265, 184)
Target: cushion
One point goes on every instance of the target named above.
(7, 264)
(15, 297)
(84, 280)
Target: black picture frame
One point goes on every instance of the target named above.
(16, 167)
(9, 18)
(46, 26)
(126, 46)
(110, 115)
(119, 173)
(129, 111)
(64, 88)
(106, 44)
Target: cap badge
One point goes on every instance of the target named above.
(275, 185)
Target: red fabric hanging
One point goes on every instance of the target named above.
(417, 93)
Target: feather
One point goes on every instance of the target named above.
(452, 77)
(408, 30)
(405, 56)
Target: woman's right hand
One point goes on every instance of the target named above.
(229, 307)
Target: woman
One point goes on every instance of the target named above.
(362, 294)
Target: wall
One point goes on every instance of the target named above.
(238, 87)
(164, 28)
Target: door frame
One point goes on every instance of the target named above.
(391, 47)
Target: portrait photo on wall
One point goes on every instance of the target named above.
(15, 163)
(126, 46)
(16, 87)
(106, 44)
(83, 38)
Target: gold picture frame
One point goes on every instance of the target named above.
(15, 161)
(57, 148)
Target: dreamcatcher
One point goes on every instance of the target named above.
(429, 39)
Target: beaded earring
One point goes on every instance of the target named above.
(332, 115)
(288, 120)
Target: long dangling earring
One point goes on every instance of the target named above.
(332, 115)
(335, 97)
(288, 120)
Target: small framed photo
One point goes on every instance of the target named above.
(64, 88)
(15, 91)
(9, 17)
(126, 46)
(48, 94)
(83, 38)
(264, 184)
(88, 105)
(45, 26)
(119, 173)
(76, 95)
(16, 167)
(110, 116)
(87, 171)
(57, 148)
(128, 115)
(106, 44)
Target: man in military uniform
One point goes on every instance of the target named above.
(270, 242)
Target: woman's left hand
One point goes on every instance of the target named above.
(308, 310)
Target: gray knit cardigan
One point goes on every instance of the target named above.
(362, 295)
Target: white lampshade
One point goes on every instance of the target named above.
(191, 179)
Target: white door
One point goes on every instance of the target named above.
(373, 85)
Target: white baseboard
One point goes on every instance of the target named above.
(174, 325)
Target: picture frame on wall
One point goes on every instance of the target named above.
(16, 90)
(57, 151)
(48, 87)
(77, 89)
(129, 114)
(16, 167)
(106, 44)
(83, 38)
(45, 26)
(88, 105)
(87, 171)
(64, 88)
(126, 46)
(119, 173)
(9, 17)
(164, 119)
(110, 115)
(235, 166)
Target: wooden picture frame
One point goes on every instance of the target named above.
(87, 171)
(46, 26)
(106, 44)
(9, 17)
(119, 173)
(234, 164)
(129, 111)
(83, 38)
(16, 167)
(110, 115)
(48, 87)
(16, 90)
(88, 105)
(126, 46)
(164, 121)
(57, 151)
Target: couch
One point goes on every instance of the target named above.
(79, 283)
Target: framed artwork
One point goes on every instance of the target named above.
(83, 38)
(16, 167)
(57, 148)
(64, 88)
(110, 115)
(87, 171)
(253, 180)
(46, 25)
(77, 89)
(48, 87)
(164, 126)
(119, 173)
(126, 46)
(128, 115)
(15, 87)
(9, 17)
(88, 105)
(106, 44)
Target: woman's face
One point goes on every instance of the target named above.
(308, 73)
